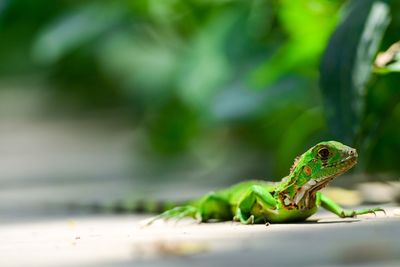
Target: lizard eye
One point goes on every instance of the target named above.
(323, 153)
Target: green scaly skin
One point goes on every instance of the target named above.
(295, 198)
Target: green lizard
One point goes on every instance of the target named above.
(295, 198)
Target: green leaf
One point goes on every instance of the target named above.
(393, 67)
(304, 128)
(347, 65)
(307, 24)
(205, 67)
(75, 29)
(390, 60)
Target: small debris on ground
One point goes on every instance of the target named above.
(170, 248)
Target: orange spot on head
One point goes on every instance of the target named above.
(307, 170)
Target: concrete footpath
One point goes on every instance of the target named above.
(122, 240)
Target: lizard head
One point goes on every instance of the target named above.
(322, 163)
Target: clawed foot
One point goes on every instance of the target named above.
(177, 213)
(241, 219)
(354, 213)
(250, 220)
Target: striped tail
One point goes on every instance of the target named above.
(124, 207)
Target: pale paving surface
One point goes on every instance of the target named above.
(122, 241)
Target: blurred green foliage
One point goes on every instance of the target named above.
(190, 72)
(361, 105)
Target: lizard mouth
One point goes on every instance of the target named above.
(334, 170)
(343, 165)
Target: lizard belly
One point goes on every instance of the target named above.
(281, 215)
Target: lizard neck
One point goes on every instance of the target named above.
(293, 190)
(298, 191)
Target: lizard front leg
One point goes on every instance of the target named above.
(255, 195)
(330, 205)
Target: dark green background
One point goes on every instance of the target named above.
(254, 80)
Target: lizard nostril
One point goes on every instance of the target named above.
(353, 152)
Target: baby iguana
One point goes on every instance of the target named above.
(295, 198)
